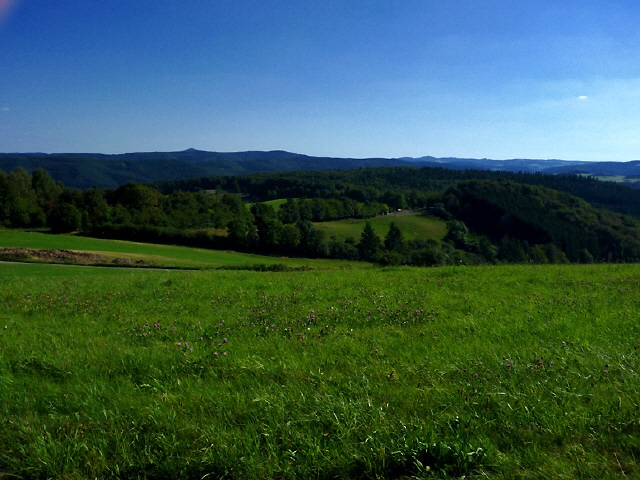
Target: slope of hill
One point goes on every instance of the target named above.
(505, 211)
(630, 170)
(84, 170)
(411, 182)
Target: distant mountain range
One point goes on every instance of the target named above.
(84, 170)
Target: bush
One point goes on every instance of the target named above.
(65, 217)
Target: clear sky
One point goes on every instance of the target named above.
(352, 78)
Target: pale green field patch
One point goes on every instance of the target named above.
(414, 225)
(160, 255)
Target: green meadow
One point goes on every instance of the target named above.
(476, 372)
(413, 225)
(160, 255)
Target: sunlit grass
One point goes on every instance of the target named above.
(413, 225)
(160, 255)
(500, 372)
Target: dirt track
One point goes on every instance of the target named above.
(61, 256)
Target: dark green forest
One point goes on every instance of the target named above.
(84, 170)
(415, 183)
(492, 217)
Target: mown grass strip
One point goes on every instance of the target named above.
(160, 255)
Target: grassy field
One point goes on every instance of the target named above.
(615, 178)
(274, 203)
(160, 255)
(485, 372)
(413, 225)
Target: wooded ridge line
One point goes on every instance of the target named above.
(85, 170)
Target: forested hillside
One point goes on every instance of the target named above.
(415, 184)
(518, 216)
(491, 217)
(86, 170)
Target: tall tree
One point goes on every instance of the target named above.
(95, 206)
(370, 243)
(268, 224)
(457, 233)
(144, 204)
(65, 217)
(289, 211)
(47, 191)
(394, 241)
(19, 200)
(289, 239)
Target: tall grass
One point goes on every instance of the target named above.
(501, 372)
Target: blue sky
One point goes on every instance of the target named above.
(353, 78)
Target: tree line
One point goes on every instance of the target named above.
(210, 219)
(489, 219)
(402, 187)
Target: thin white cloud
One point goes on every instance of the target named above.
(6, 109)
(582, 97)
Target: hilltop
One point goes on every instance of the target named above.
(86, 170)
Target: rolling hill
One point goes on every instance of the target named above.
(85, 170)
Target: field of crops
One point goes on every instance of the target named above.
(498, 372)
